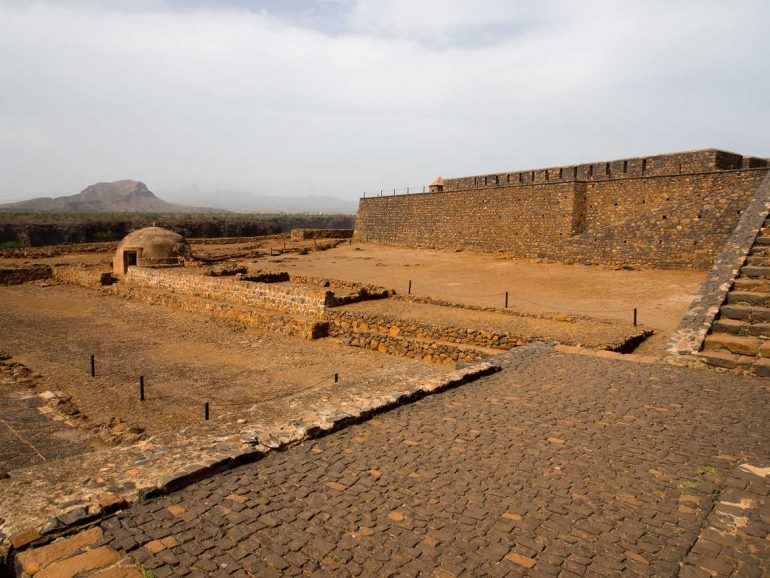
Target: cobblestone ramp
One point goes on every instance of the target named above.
(560, 465)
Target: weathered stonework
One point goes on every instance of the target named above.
(265, 320)
(377, 328)
(282, 297)
(18, 275)
(84, 276)
(304, 234)
(42, 502)
(696, 323)
(666, 211)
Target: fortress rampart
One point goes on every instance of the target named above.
(672, 210)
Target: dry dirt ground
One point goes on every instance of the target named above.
(186, 359)
(661, 296)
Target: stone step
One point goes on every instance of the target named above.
(762, 367)
(732, 344)
(749, 313)
(760, 250)
(726, 360)
(762, 240)
(755, 271)
(731, 326)
(735, 327)
(749, 298)
(759, 260)
(749, 284)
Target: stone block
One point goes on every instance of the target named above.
(733, 344)
(86, 562)
(32, 561)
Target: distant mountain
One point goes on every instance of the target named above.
(242, 201)
(119, 197)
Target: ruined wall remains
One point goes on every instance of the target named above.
(304, 234)
(25, 274)
(282, 297)
(84, 276)
(273, 322)
(664, 211)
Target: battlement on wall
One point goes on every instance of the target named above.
(674, 210)
(690, 162)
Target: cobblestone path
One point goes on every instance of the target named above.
(561, 465)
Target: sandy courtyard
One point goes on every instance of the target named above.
(187, 359)
(661, 296)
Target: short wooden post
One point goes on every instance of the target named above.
(206, 411)
(506, 299)
(93, 366)
(141, 388)
(336, 377)
(409, 291)
(635, 316)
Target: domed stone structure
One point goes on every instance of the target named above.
(149, 247)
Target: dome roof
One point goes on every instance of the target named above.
(151, 246)
(157, 242)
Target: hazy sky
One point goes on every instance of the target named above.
(336, 97)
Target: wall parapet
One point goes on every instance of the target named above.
(691, 162)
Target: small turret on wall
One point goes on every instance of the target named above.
(437, 186)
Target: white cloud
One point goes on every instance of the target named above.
(250, 99)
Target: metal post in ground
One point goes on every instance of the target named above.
(336, 377)
(93, 366)
(409, 291)
(506, 299)
(634, 316)
(206, 411)
(141, 388)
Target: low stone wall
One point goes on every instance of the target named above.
(344, 323)
(18, 275)
(513, 311)
(265, 320)
(76, 275)
(341, 284)
(56, 250)
(427, 351)
(282, 297)
(304, 234)
(234, 240)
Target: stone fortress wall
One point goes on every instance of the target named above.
(673, 210)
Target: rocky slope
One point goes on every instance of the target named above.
(125, 196)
